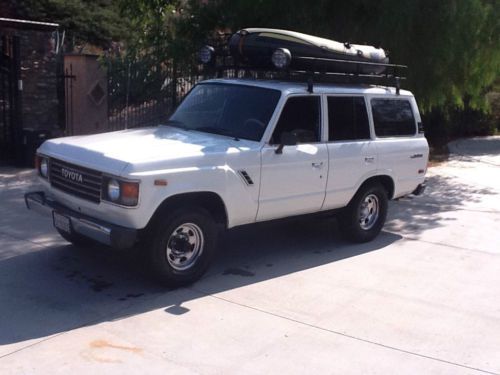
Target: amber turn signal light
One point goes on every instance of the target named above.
(161, 183)
(130, 193)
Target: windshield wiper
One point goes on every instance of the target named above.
(220, 131)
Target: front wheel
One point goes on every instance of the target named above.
(365, 215)
(181, 245)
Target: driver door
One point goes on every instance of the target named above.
(294, 182)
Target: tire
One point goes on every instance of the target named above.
(76, 239)
(181, 245)
(365, 215)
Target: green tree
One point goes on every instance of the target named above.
(452, 47)
(156, 25)
(95, 22)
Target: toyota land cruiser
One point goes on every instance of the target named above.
(235, 152)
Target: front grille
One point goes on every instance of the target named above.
(75, 180)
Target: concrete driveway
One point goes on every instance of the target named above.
(289, 298)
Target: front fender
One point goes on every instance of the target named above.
(240, 200)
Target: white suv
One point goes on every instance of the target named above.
(235, 152)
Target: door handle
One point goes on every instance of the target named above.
(369, 159)
(317, 165)
(416, 156)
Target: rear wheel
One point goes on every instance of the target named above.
(181, 245)
(365, 215)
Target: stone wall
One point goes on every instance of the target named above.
(39, 75)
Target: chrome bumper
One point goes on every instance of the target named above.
(98, 230)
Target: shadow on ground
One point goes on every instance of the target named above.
(55, 289)
(414, 215)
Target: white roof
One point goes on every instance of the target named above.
(319, 88)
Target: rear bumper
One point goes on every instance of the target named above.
(101, 231)
(420, 189)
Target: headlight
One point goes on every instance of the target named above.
(113, 190)
(206, 54)
(42, 164)
(281, 58)
(44, 167)
(125, 193)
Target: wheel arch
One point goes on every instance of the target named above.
(210, 201)
(386, 181)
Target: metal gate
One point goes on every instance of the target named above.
(10, 99)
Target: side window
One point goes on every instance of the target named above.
(347, 118)
(393, 117)
(301, 116)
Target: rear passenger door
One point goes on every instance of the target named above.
(403, 152)
(352, 154)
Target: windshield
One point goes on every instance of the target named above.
(233, 110)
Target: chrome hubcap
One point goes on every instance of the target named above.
(184, 246)
(369, 211)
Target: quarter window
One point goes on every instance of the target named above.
(301, 117)
(347, 118)
(393, 117)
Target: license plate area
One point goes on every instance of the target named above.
(61, 222)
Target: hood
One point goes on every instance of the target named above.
(112, 152)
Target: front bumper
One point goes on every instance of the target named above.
(109, 234)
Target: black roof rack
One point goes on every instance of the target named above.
(391, 77)
(317, 70)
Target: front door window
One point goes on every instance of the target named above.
(301, 117)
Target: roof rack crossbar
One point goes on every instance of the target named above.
(316, 72)
(351, 62)
(310, 78)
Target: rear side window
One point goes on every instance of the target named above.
(301, 117)
(393, 117)
(347, 118)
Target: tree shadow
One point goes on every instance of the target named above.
(413, 215)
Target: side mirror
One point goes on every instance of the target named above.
(287, 139)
